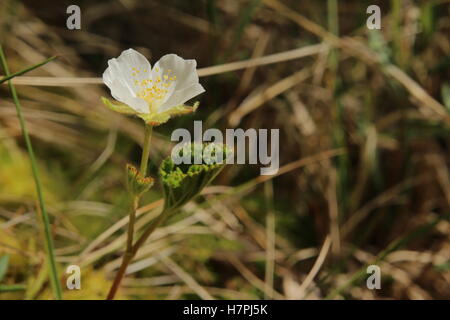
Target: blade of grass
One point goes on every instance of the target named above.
(11, 287)
(244, 20)
(46, 221)
(338, 131)
(270, 236)
(4, 260)
(19, 73)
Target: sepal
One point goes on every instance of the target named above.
(136, 183)
(156, 119)
(120, 108)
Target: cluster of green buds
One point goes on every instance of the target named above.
(185, 180)
(184, 174)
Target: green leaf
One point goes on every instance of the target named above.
(4, 260)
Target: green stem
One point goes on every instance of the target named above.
(130, 252)
(134, 207)
(163, 215)
(128, 257)
(56, 286)
(146, 149)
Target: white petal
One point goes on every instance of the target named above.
(181, 96)
(124, 75)
(122, 93)
(133, 66)
(185, 72)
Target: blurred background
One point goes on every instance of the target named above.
(364, 119)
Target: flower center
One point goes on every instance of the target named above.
(153, 91)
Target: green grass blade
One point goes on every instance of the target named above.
(12, 288)
(244, 20)
(4, 260)
(19, 73)
(56, 286)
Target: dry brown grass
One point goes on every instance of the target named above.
(364, 145)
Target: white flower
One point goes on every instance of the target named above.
(155, 94)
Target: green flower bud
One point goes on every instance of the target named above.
(137, 184)
(182, 182)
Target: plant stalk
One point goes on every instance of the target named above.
(134, 206)
(130, 252)
(129, 255)
(146, 149)
(53, 273)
